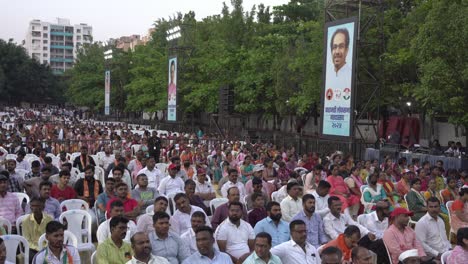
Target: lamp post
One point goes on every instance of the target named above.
(107, 58)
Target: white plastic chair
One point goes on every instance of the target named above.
(5, 222)
(449, 209)
(445, 256)
(135, 148)
(99, 174)
(19, 224)
(11, 243)
(22, 173)
(75, 220)
(94, 258)
(74, 204)
(10, 157)
(361, 218)
(216, 202)
(274, 196)
(73, 156)
(172, 204)
(162, 167)
(50, 155)
(68, 239)
(22, 196)
(150, 210)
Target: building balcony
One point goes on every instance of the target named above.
(58, 33)
(61, 60)
(61, 47)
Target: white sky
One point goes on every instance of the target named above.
(109, 18)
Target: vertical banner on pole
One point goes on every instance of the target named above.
(107, 93)
(172, 90)
(338, 86)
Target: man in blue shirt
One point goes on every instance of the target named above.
(273, 225)
(315, 229)
(206, 253)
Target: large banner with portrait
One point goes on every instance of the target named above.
(337, 93)
(172, 90)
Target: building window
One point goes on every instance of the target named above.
(33, 28)
(45, 41)
(45, 55)
(45, 35)
(78, 30)
(78, 37)
(44, 61)
(44, 48)
(44, 28)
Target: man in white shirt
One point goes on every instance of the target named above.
(297, 250)
(197, 219)
(292, 204)
(321, 198)
(154, 174)
(235, 236)
(233, 176)
(203, 188)
(180, 221)
(103, 231)
(430, 230)
(377, 221)
(141, 246)
(21, 163)
(335, 222)
(107, 159)
(172, 183)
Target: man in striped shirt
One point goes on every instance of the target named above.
(11, 208)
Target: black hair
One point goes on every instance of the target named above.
(331, 251)
(198, 214)
(255, 195)
(64, 173)
(89, 167)
(204, 229)
(109, 179)
(159, 198)
(37, 199)
(45, 183)
(47, 160)
(462, 233)
(351, 230)
(318, 167)
(54, 226)
(116, 203)
(295, 223)
(414, 181)
(355, 252)
(46, 169)
(180, 195)
(264, 235)
(331, 199)
(236, 204)
(433, 199)
(271, 204)
(291, 185)
(307, 197)
(463, 191)
(35, 164)
(189, 182)
(230, 188)
(160, 215)
(116, 220)
(118, 168)
(231, 171)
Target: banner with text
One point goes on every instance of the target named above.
(337, 93)
(172, 90)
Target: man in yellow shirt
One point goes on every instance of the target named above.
(34, 225)
(114, 250)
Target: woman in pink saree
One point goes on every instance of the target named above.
(340, 189)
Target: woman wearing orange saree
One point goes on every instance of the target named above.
(341, 190)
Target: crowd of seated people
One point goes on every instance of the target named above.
(187, 199)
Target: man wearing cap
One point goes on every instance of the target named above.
(399, 237)
(267, 188)
(204, 189)
(409, 257)
(172, 183)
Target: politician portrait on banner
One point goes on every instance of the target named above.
(172, 91)
(337, 107)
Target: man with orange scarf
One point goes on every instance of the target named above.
(346, 241)
(88, 188)
(83, 160)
